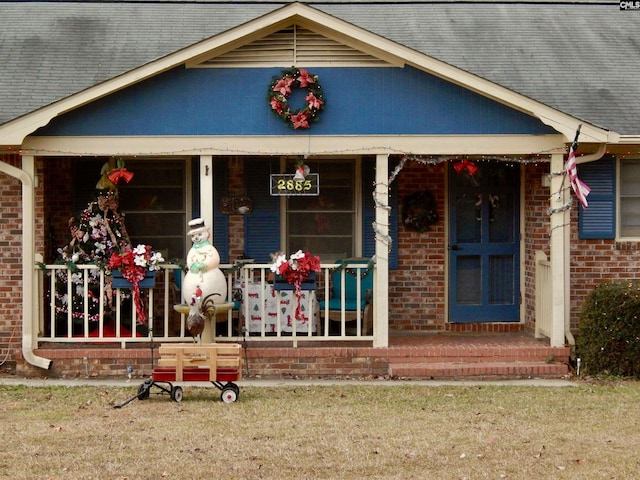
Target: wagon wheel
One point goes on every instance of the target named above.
(143, 391)
(235, 387)
(229, 394)
(177, 394)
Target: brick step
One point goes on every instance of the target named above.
(477, 370)
(475, 354)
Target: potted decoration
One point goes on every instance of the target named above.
(295, 273)
(135, 268)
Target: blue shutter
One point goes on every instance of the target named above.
(262, 227)
(195, 189)
(598, 220)
(220, 221)
(369, 214)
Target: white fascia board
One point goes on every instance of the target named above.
(14, 132)
(444, 145)
(629, 140)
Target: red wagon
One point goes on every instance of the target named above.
(220, 364)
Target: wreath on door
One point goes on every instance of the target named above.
(420, 211)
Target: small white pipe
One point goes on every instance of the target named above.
(27, 266)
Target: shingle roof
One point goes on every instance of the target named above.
(580, 58)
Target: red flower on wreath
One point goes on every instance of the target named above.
(281, 89)
(300, 120)
(305, 78)
(277, 106)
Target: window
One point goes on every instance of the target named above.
(629, 188)
(154, 202)
(336, 224)
(325, 225)
(155, 205)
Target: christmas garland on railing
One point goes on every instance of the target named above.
(342, 265)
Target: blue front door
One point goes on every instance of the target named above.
(484, 242)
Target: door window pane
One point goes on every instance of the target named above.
(501, 286)
(468, 280)
(501, 217)
(468, 218)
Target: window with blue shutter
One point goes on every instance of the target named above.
(369, 214)
(220, 221)
(262, 226)
(598, 220)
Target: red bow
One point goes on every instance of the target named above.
(467, 165)
(120, 173)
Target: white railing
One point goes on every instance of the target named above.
(271, 314)
(544, 306)
(260, 312)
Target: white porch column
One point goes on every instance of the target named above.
(381, 284)
(206, 190)
(559, 253)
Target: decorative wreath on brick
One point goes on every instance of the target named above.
(280, 90)
(420, 211)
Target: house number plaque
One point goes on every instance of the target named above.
(284, 184)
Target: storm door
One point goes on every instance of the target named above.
(484, 242)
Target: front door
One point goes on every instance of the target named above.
(484, 239)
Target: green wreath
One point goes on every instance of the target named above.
(280, 90)
(420, 211)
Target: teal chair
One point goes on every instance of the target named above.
(352, 303)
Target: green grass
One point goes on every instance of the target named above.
(591, 431)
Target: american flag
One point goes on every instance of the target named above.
(579, 187)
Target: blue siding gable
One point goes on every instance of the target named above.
(359, 101)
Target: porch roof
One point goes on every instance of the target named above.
(576, 58)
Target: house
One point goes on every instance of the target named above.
(439, 149)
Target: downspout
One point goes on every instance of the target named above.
(27, 265)
(597, 155)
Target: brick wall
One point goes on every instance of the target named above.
(537, 228)
(11, 291)
(236, 222)
(10, 264)
(591, 261)
(417, 287)
(597, 261)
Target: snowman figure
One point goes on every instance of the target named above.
(204, 282)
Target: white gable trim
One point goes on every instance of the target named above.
(14, 132)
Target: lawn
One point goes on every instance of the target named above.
(590, 431)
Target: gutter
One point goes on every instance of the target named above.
(27, 266)
(592, 156)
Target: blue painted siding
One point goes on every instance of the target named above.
(359, 101)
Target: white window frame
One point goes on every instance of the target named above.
(358, 205)
(620, 198)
